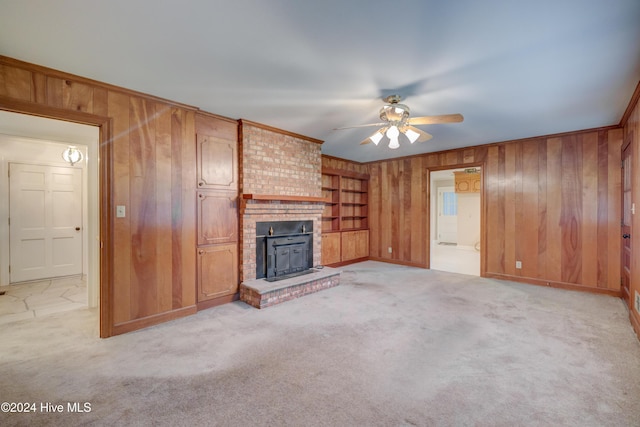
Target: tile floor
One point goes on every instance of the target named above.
(455, 259)
(41, 298)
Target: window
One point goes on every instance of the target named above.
(449, 203)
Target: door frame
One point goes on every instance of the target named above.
(105, 174)
(483, 240)
(626, 144)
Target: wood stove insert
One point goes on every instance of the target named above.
(283, 249)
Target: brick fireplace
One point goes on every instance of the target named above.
(280, 180)
(254, 211)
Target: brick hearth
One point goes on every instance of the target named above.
(260, 294)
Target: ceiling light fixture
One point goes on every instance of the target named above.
(411, 135)
(376, 137)
(393, 134)
(72, 155)
(395, 120)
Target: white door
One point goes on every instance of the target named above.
(447, 215)
(45, 221)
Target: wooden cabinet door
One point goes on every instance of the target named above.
(217, 271)
(467, 182)
(217, 217)
(217, 163)
(355, 244)
(330, 248)
(348, 245)
(362, 243)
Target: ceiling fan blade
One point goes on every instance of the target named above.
(424, 136)
(430, 120)
(382, 131)
(360, 126)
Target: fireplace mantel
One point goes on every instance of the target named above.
(284, 198)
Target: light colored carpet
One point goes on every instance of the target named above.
(391, 346)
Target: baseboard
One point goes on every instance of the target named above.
(635, 323)
(351, 261)
(145, 322)
(398, 262)
(552, 284)
(203, 305)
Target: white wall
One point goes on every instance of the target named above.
(468, 219)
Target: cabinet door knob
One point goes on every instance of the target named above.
(626, 236)
(200, 252)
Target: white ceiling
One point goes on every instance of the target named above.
(513, 68)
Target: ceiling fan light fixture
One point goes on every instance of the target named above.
(411, 135)
(393, 134)
(376, 137)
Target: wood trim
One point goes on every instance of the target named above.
(68, 76)
(552, 284)
(328, 157)
(635, 97)
(635, 323)
(244, 122)
(342, 172)
(203, 305)
(145, 322)
(106, 227)
(105, 175)
(351, 261)
(397, 262)
(25, 107)
(282, 198)
(216, 116)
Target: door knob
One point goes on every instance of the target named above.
(77, 228)
(626, 236)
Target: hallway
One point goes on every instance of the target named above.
(42, 298)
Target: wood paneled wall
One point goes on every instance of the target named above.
(551, 202)
(337, 164)
(148, 161)
(631, 122)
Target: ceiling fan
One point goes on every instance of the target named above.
(396, 121)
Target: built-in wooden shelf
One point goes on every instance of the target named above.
(348, 206)
(283, 198)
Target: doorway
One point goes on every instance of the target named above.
(26, 139)
(455, 215)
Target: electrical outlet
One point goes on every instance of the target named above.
(518, 264)
(390, 250)
(120, 211)
(637, 302)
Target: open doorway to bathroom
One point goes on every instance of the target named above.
(455, 218)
